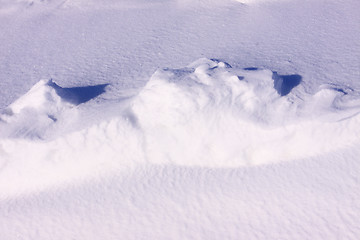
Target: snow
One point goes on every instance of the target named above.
(209, 116)
(137, 131)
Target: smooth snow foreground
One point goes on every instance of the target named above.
(206, 114)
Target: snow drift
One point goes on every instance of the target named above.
(46, 103)
(212, 115)
(207, 114)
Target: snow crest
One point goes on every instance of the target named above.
(35, 112)
(207, 115)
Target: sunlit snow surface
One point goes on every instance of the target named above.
(128, 136)
(207, 114)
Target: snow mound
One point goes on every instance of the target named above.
(211, 115)
(205, 115)
(43, 105)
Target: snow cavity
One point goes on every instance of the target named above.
(207, 114)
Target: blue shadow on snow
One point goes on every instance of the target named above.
(78, 95)
(283, 84)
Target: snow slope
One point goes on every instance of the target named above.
(262, 146)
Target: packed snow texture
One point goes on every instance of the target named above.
(124, 138)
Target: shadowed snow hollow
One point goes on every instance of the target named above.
(207, 114)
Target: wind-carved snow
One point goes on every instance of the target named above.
(207, 114)
(211, 115)
(43, 105)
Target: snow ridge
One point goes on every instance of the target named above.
(206, 114)
(212, 115)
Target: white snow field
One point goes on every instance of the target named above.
(179, 119)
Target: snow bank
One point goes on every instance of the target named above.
(211, 115)
(207, 114)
